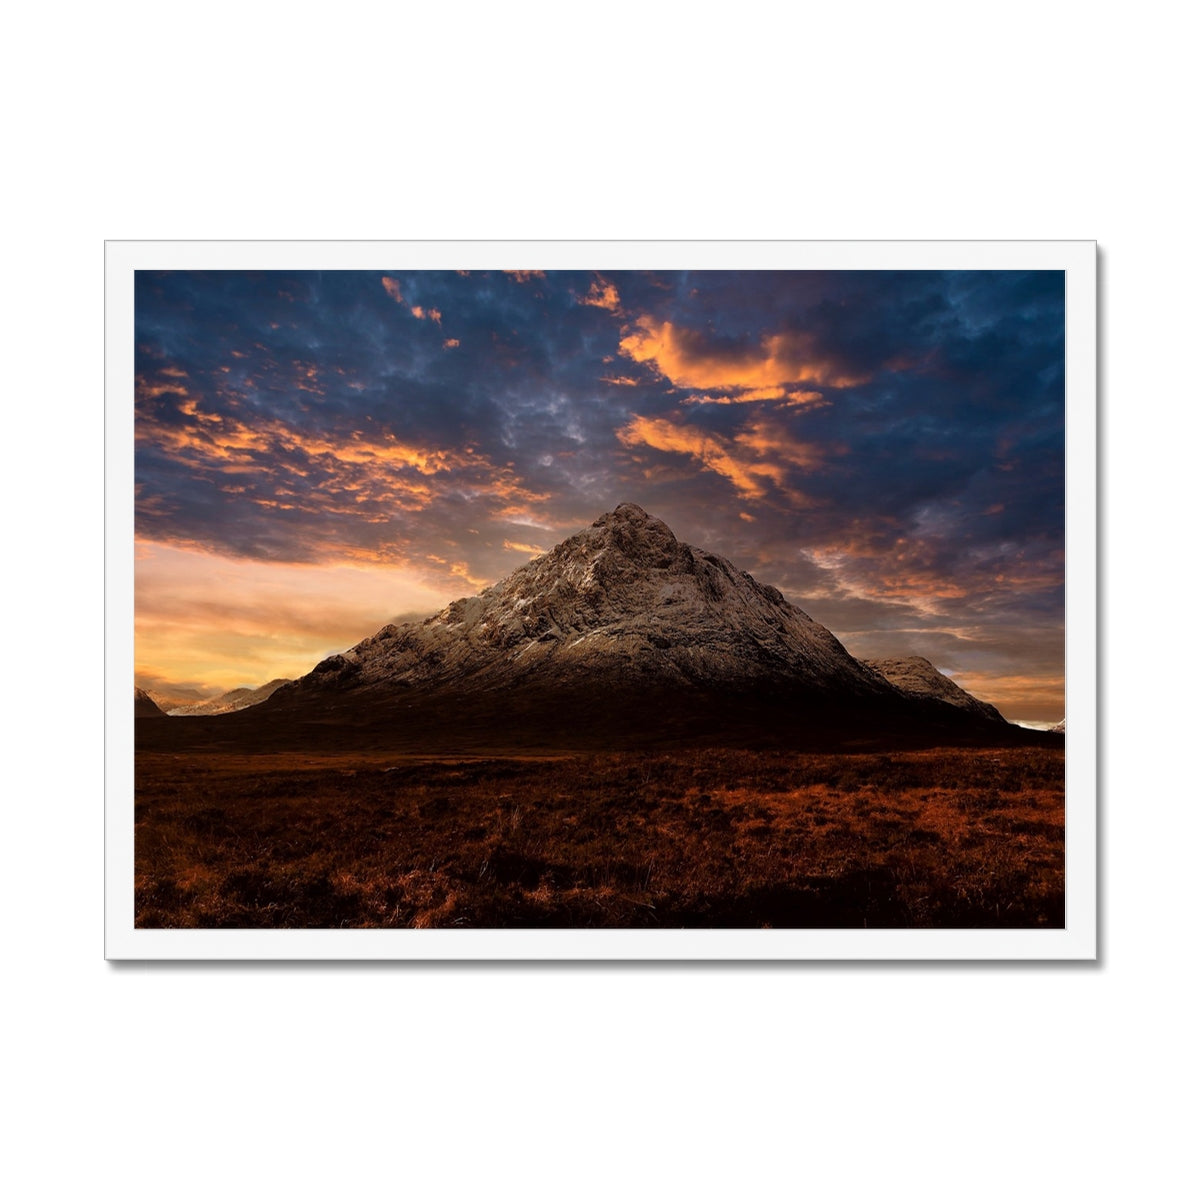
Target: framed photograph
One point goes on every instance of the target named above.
(599, 600)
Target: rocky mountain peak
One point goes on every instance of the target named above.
(628, 569)
(622, 635)
(621, 598)
(632, 531)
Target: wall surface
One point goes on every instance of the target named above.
(625, 121)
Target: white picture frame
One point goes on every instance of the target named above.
(1078, 940)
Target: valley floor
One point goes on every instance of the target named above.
(705, 839)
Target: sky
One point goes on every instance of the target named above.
(319, 453)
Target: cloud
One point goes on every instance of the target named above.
(392, 287)
(277, 466)
(524, 276)
(795, 399)
(758, 455)
(773, 364)
(602, 294)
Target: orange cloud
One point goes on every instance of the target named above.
(759, 455)
(392, 287)
(145, 389)
(619, 380)
(524, 276)
(462, 570)
(602, 294)
(869, 561)
(523, 547)
(873, 563)
(368, 475)
(769, 439)
(687, 359)
(520, 514)
(190, 407)
(450, 343)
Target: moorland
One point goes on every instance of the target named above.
(956, 836)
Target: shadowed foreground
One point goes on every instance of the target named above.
(709, 838)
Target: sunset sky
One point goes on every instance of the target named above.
(319, 453)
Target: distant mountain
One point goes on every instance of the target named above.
(232, 701)
(1061, 727)
(918, 677)
(144, 706)
(170, 695)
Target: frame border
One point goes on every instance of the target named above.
(1077, 941)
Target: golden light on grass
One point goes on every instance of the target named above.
(944, 838)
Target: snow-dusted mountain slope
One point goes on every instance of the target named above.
(622, 601)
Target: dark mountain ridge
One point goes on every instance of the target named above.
(144, 704)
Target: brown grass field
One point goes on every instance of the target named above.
(949, 838)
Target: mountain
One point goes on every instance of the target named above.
(621, 637)
(169, 695)
(232, 701)
(623, 602)
(918, 677)
(144, 706)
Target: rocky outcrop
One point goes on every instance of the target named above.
(918, 677)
